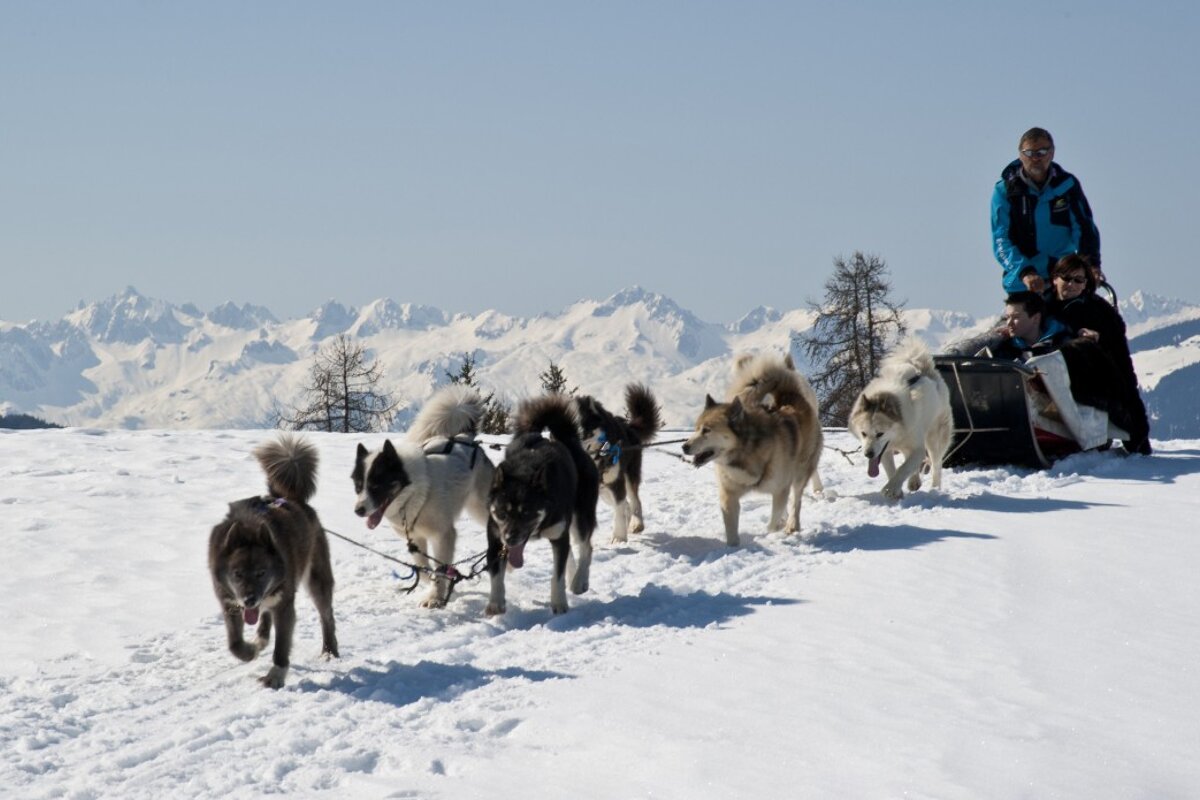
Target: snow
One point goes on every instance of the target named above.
(1019, 634)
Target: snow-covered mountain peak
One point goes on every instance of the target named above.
(129, 318)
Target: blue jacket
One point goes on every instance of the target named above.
(1032, 228)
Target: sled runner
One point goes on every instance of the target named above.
(1008, 412)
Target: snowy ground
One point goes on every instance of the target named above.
(1018, 635)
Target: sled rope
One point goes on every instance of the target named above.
(445, 571)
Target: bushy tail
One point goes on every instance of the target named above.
(913, 351)
(291, 467)
(553, 412)
(452, 410)
(645, 417)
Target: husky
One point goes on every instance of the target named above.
(615, 444)
(544, 488)
(770, 382)
(905, 410)
(758, 449)
(422, 485)
(264, 549)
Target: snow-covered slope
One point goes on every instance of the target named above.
(1017, 635)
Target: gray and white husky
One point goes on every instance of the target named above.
(905, 410)
(423, 484)
(264, 549)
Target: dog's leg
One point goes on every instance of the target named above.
(583, 562)
(793, 524)
(621, 522)
(636, 523)
(320, 587)
(285, 626)
(495, 568)
(936, 445)
(443, 555)
(245, 651)
(778, 509)
(731, 508)
(561, 545)
(909, 469)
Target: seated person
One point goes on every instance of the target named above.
(1074, 301)
(1028, 330)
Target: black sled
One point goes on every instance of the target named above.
(1012, 413)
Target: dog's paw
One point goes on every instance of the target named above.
(893, 492)
(579, 586)
(494, 609)
(636, 525)
(790, 528)
(559, 608)
(914, 482)
(245, 651)
(619, 539)
(433, 601)
(732, 539)
(274, 678)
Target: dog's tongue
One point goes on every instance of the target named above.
(516, 555)
(374, 519)
(873, 467)
(250, 615)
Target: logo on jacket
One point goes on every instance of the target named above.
(1059, 204)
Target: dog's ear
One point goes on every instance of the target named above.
(709, 402)
(498, 476)
(361, 453)
(789, 363)
(737, 412)
(742, 360)
(389, 450)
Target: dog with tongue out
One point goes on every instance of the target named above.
(264, 549)
(544, 488)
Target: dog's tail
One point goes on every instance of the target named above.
(452, 410)
(645, 417)
(769, 380)
(912, 351)
(291, 467)
(553, 412)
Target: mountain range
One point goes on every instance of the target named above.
(135, 362)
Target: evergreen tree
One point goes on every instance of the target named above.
(495, 412)
(554, 380)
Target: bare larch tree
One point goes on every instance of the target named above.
(855, 327)
(343, 392)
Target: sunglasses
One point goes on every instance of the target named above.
(1073, 279)
(1041, 152)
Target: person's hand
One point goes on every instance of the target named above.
(1034, 283)
(1089, 334)
(1004, 332)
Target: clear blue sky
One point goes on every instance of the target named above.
(523, 155)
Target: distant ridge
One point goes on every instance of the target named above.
(135, 362)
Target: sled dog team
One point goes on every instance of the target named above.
(764, 438)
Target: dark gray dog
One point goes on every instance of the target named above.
(264, 548)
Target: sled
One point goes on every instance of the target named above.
(1023, 414)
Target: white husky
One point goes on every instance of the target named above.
(905, 410)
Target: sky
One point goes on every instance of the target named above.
(1015, 634)
(522, 156)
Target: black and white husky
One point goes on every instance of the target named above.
(422, 485)
(544, 488)
(615, 444)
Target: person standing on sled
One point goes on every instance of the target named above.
(1039, 215)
